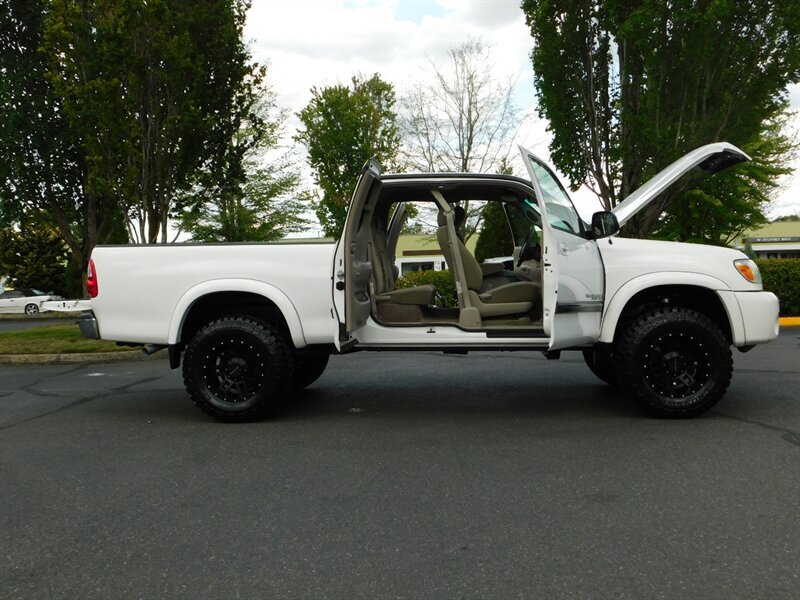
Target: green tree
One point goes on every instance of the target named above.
(156, 91)
(344, 127)
(489, 218)
(628, 87)
(42, 163)
(254, 202)
(34, 257)
(494, 238)
(260, 211)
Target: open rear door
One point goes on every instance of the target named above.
(352, 268)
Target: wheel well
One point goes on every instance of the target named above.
(221, 304)
(700, 299)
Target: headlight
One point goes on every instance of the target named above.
(748, 269)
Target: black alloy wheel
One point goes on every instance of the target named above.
(237, 368)
(675, 361)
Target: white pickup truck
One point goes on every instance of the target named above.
(256, 321)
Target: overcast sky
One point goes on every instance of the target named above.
(309, 43)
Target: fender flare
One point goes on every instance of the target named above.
(622, 296)
(252, 286)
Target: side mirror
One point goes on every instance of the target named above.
(604, 224)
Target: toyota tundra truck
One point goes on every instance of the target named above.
(253, 323)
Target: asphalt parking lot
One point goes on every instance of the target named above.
(400, 476)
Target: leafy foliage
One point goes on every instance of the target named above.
(495, 236)
(630, 87)
(345, 126)
(118, 112)
(155, 91)
(34, 257)
(781, 276)
(43, 166)
(445, 296)
(255, 204)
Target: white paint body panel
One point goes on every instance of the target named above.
(633, 266)
(375, 335)
(145, 291)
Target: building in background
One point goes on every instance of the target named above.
(773, 240)
(422, 253)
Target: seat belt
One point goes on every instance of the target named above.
(455, 252)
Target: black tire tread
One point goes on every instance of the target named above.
(282, 366)
(628, 364)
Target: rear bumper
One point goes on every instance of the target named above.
(87, 323)
(753, 316)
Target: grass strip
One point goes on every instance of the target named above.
(53, 339)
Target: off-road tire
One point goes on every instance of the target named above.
(31, 309)
(600, 361)
(675, 361)
(238, 369)
(308, 368)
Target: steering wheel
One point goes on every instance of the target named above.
(525, 245)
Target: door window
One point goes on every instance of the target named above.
(560, 212)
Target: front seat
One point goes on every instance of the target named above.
(494, 274)
(503, 300)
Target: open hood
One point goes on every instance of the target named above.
(712, 158)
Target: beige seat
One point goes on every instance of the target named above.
(502, 300)
(494, 274)
(393, 304)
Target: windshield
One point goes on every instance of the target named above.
(560, 212)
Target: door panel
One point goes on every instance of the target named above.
(573, 279)
(352, 266)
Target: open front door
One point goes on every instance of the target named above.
(352, 266)
(573, 279)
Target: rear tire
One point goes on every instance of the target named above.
(31, 309)
(237, 369)
(675, 361)
(600, 361)
(308, 368)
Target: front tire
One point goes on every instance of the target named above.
(675, 361)
(31, 309)
(237, 369)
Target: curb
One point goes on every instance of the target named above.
(74, 359)
(789, 321)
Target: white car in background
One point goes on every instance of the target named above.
(27, 300)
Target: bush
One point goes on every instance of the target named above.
(782, 277)
(443, 280)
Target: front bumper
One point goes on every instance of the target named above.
(87, 323)
(753, 316)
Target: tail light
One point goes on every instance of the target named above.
(91, 280)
